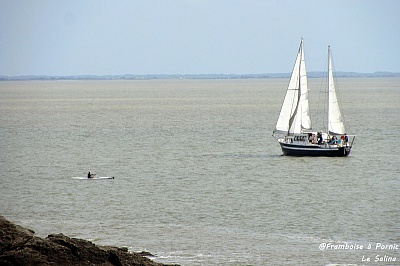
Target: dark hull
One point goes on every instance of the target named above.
(314, 150)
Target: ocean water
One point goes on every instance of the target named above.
(199, 180)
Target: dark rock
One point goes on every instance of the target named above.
(19, 246)
(145, 254)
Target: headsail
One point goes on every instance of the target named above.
(335, 121)
(295, 114)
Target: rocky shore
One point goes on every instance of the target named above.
(19, 246)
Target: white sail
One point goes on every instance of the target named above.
(305, 109)
(295, 115)
(335, 121)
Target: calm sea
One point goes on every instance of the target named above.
(199, 180)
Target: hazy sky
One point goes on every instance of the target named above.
(46, 37)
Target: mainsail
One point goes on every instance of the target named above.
(295, 114)
(335, 121)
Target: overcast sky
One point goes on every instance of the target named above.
(45, 37)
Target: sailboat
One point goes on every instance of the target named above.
(293, 129)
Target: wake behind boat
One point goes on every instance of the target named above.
(293, 129)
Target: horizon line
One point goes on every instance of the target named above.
(310, 74)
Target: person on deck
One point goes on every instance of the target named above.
(333, 140)
(89, 175)
(319, 138)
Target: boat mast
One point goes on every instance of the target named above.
(329, 74)
(299, 88)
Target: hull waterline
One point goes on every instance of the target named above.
(314, 150)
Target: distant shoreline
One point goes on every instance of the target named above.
(195, 76)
